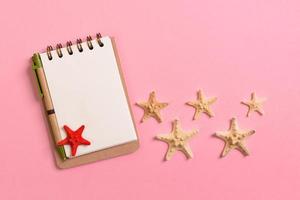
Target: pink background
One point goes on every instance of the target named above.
(227, 48)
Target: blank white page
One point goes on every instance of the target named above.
(86, 89)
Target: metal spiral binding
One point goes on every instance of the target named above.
(98, 36)
(69, 46)
(79, 47)
(49, 49)
(58, 50)
(89, 43)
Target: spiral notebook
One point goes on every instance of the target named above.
(85, 100)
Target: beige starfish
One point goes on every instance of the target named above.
(202, 105)
(234, 138)
(254, 105)
(177, 140)
(152, 108)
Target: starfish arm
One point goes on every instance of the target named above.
(249, 111)
(242, 148)
(226, 149)
(145, 116)
(157, 116)
(260, 111)
(176, 126)
(142, 105)
(197, 111)
(245, 103)
(221, 135)
(187, 151)
(196, 114)
(249, 107)
(68, 131)
(189, 135)
(74, 149)
(233, 124)
(63, 142)
(162, 105)
(165, 138)
(247, 133)
(212, 100)
(200, 96)
(253, 96)
(171, 151)
(84, 141)
(209, 112)
(152, 97)
(191, 103)
(80, 130)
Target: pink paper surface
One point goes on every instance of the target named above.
(227, 48)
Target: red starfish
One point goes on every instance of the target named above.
(74, 139)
